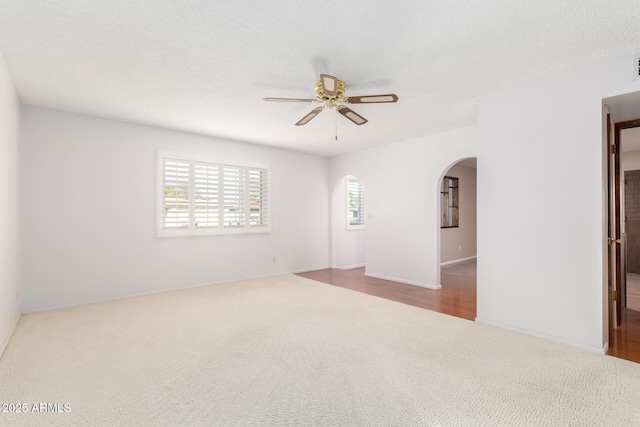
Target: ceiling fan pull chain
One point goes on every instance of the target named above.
(336, 117)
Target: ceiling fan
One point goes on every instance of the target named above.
(330, 91)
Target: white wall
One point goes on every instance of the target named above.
(89, 200)
(347, 246)
(459, 243)
(540, 209)
(401, 182)
(9, 207)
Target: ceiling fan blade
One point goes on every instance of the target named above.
(290, 100)
(306, 119)
(352, 115)
(372, 99)
(329, 85)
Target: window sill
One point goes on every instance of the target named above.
(163, 233)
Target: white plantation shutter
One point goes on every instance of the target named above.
(204, 197)
(355, 202)
(207, 195)
(258, 197)
(175, 193)
(234, 196)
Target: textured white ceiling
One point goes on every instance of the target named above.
(204, 66)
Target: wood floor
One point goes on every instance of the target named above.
(625, 343)
(458, 298)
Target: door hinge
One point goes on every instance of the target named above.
(614, 295)
(612, 149)
(610, 241)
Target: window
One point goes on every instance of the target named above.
(449, 202)
(355, 204)
(200, 196)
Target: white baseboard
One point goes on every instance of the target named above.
(6, 341)
(172, 289)
(592, 349)
(455, 261)
(408, 282)
(350, 267)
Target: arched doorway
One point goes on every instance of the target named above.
(457, 235)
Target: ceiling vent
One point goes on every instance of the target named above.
(636, 66)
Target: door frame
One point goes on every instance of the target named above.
(610, 224)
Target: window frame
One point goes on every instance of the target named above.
(450, 202)
(361, 202)
(192, 229)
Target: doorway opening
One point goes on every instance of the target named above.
(630, 222)
(457, 235)
(622, 289)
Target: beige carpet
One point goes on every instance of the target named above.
(291, 351)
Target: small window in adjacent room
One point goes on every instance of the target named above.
(449, 202)
(355, 204)
(202, 196)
